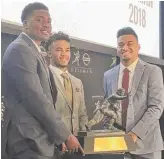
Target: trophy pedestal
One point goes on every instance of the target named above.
(98, 156)
(103, 144)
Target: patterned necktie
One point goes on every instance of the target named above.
(68, 87)
(43, 54)
(125, 102)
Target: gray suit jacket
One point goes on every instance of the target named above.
(34, 127)
(146, 103)
(75, 117)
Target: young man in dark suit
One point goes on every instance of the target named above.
(35, 128)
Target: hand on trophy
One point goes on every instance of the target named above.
(64, 147)
(73, 145)
(133, 135)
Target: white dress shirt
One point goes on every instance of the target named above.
(58, 73)
(131, 69)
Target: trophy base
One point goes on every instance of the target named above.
(106, 142)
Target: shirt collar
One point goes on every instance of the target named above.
(38, 48)
(57, 70)
(131, 67)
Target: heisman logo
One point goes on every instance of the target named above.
(80, 62)
(77, 58)
(86, 59)
(114, 60)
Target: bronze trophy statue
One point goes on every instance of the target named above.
(111, 141)
(110, 110)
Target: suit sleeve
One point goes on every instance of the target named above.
(105, 86)
(155, 101)
(83, 118)
(21, 67)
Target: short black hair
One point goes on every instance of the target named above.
(126, 31)
(57, 36)
(27, 11)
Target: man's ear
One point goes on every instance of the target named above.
(25, 25)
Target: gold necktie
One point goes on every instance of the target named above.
(68, 87)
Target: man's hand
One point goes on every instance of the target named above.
(64, 147)
(73, 144)
(134, 136)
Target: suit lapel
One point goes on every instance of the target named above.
(45, 66)
(140, 67)
(33, 47)
(114, 76)
(60, 87)
(43, 62)
(73, 90)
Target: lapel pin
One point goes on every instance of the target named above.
(77, 89)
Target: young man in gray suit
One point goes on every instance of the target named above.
(70, 102)
(144, 83)
(35, 128)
